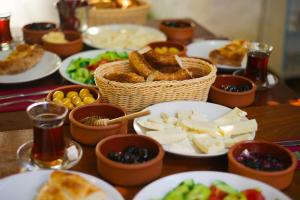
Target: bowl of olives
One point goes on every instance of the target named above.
(178, 30)
(34, 32)
(232, 91)
(263, 160)
(129, 160)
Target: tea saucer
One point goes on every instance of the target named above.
(73, 155)
(272, 80)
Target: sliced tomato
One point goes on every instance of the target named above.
(217, 194)
(253, 194)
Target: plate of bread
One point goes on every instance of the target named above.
(63, 185)
(26, 63)
(195, 128)
(225, 54)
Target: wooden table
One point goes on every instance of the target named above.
(275, 122)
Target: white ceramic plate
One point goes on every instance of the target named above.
(203, 47)
(85, 54)
(185, 147)
(48, 64)
(123, 36)
(160, 187)
(26, 185)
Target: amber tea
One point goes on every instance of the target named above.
(48, 148)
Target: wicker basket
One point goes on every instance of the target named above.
(134, 15)
(136, 96)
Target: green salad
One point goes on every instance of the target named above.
(218, 190)
(82, 69)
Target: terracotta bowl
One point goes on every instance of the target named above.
(91, 135)
(128, 174)
(181, 48)
(232, 99)
(65, 89)
(279, 179)
(65, 49)
(183, 35)
(33, 36)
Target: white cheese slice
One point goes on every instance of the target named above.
(151, 125)
(199, 126)
(208, 145)
(155, 119)
(167, 136)
(197, 116)
(229, 142)
(234, 115)
(184, 114)
(238, 128)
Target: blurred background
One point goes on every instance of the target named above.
(276, 22)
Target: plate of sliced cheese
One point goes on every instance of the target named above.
(49, 184)
(195, 128)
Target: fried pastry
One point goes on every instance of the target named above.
(22, 58)
(140, 65)
(232, 54)
(66, 186)
(125, 77)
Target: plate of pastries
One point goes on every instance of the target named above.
(225, 54)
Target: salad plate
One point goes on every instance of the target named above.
(48, 64)
(159, 188)
(124, 36)
(84, 63)
(202, 48)
(28, 184)
(185, 147)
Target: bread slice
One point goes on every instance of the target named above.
(68, 186)
(232, 54)
(22, 58)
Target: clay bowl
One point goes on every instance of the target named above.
(178, 30)
(91, 135)
(74, 44)
(279, 179)
(232, 99)
(181, 48)
(128, 174)
(32, 33)
(65, 89)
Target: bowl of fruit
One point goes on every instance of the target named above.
(129, 160)
(263, 160)
(232, 91)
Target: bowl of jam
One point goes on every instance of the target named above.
(263, 160)
(178, 30)
(232, 91)
(129, 160)
(33, 32)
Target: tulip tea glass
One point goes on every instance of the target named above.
(257, 62)
(48, 148)
(5, 35)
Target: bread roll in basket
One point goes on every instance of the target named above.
(137, 96)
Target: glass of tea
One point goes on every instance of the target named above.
(73, 14)
(48, 149)
(5, 34)
(257, 62)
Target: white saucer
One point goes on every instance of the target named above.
(24, 155)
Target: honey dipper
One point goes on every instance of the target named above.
(98, 121)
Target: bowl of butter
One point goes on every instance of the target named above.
(63, 43)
